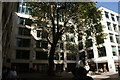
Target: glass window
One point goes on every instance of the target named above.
(39, 33)
(59, 46)
(45, 44)
(119, 50)
(115, 27)
(117, 18)
(101, 52)
(106, 14)
(44, 34)
(24, 31)
(21, 42)
(41, 55)
(22, 21)
(112, 16)
(80, 46)
(82, 56)
(111, 38)
(114, 50)
(42, 44)
(89, 43)
(38, 44)
(22, 54)
(71, 56)
(109, 26)
(117, 38)
(90, 54)
(99, 39)
(59, 56)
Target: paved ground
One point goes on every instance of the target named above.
(67, 76)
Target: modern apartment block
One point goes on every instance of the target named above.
(29, 47)
(107, 55)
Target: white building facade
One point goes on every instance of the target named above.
(109, 59)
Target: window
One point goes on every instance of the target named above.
(101, 52)
(59, 56)
(111, 38)
(38, 44)
(119, 27)
(42, 44)
(115, 27)
(22, 54)
(90, 54)
(112, 17)
(80, 36)
(117, 18)
(117, 38)
(82, 56)
(23, 8)
(44, 34)
(114, 50)
(41, 55)
(45, 44)
(80, 46)
(59, 46)
(39, 33)
(109, 26)
(106, 14)
(21, 42)
(89, 43)
(99, 39)
(71, 56)
(24, 31)
(119, 50)
(25, 21)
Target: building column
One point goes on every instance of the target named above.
(0, 40)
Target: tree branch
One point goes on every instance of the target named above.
(49, 41)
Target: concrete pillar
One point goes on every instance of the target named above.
(0, 40)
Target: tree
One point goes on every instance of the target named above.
(58, 15)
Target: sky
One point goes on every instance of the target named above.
(114, 6)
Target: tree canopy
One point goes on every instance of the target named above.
(60, 17)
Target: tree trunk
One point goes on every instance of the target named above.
(51, 71)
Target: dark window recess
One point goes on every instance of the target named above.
(22, 54)
(71, 56)
(24, 31)
(25, 21)
(99, 40)
(42, 44)
(101, 52)
(90, 54)
(39, 33)
(106, 14)
(59, 56)
(111, 38)
(82, 57)
(23, 42)
(88, 43)
(80, 46)
(44, 34)
(109, 26)
(41, 55)
(112, 16)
